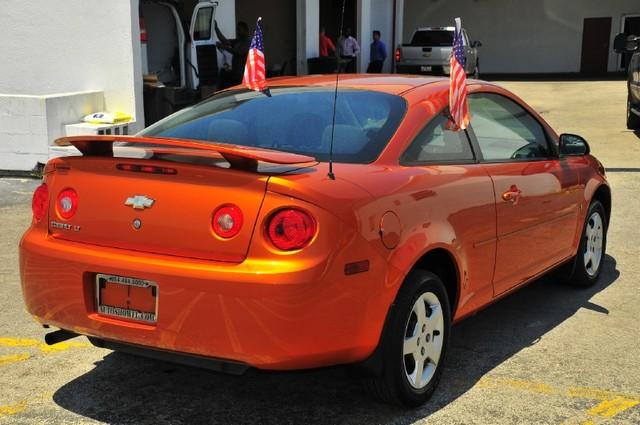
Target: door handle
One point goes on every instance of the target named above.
(512, 195)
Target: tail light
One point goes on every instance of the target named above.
(398, 54)
(227, 221)
(143, 31)
(147, 169)
(40, 201)
(290, 229)
(67, 203)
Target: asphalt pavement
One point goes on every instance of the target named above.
(548, 354)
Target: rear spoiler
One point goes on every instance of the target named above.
(242, 157)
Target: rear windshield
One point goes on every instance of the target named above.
(433, 38)
(294, 119)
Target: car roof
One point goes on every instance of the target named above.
(386, 83)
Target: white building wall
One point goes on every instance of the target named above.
(381, 20)
(307, 32)
(28, 124)
(522, 36)
(50, 48)
(53, 47)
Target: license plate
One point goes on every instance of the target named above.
(127, 298)
(425, 68)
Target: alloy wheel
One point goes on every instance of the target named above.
(594, 235)
(423, 341)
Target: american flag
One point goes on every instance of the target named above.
(458, 88)
(255, 70)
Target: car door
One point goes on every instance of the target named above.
(451, 198)
(203, 54)
(536, 194)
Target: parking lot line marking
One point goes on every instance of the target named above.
(18, 342)
(611, 403)
(13, 409)
(517, 384)
(610, 408)
(13, 358)
(26, 342)
(63, 346)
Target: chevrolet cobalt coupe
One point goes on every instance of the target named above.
(218, 238)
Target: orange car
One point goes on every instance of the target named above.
(217, 237)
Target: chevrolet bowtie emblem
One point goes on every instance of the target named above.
(139, 202)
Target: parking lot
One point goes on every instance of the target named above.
(548, 354)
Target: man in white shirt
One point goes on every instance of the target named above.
(349, 49)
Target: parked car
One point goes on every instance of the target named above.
(625, 44)
(216, 237)
(430, 50)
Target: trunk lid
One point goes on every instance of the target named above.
(177, 220)
(124, 202)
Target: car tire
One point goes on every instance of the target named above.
(414, 343)
(587, 264)
(633, 120)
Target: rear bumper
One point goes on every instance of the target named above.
(217, 365)
(282, 315)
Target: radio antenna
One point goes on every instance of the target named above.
(335, 97)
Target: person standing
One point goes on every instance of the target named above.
(326, 45)
(238, 47)
(349, 49)
(378, 54)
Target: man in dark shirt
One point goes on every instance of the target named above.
(239, 48)
(378, 54)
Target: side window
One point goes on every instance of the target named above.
(202, 29)
(435, 143)
(505, 130)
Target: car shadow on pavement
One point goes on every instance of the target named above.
(127, 389)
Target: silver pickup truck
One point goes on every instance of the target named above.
(429, 52)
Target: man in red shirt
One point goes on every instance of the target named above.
(326, 45)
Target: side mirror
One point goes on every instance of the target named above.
(476, 43)
(626, 43)
(573, 145)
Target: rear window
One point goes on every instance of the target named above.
(433, 38)
(294, 119)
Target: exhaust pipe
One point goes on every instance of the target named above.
(58, 336)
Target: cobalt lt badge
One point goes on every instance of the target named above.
(139, 202)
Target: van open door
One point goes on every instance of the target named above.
(203, 53)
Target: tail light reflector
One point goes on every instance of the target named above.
(40, 201)
(398, 54)
(290, 229)
(227, 221)
(67, 203)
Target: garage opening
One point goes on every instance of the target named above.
(279, 31)
(181, 59)
(595, 46)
